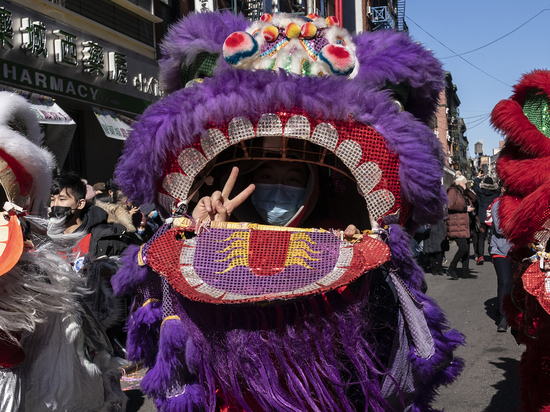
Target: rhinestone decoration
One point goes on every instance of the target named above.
(344, 260)
(213, 142)
(379, 202)
(188, 253)
(177, 185)
(298, 127)
(332, 277)
(269, 125)
(240, 129)
(542, 236)
(190, 276)
(367, 175)
(346, 255)
(536, 108)
(234, 296)
(305, 289)
(349, 151)
(210, 291)
(325, 135)
(191, 161)
(166, 202)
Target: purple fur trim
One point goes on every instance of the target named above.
(130, 275)
(143, 326)
(296, 368)
(442, 368)
(169, 369)
(192, 399)
(393, 57)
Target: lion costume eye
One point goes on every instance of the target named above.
(536, 109)
(203, 66)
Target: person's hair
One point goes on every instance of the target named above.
(69, 181)
(104, 197)
(488, 180)
(111, 185)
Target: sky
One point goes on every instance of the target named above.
(486, 76)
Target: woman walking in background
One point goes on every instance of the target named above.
(458, 226)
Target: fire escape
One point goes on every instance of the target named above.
(401, 26)
(388, 16)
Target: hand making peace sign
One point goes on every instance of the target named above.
(218, 206)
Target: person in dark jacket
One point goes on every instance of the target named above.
(109, 226)
(433, 247)
(500, 247)
(486, 192)
(458, 226)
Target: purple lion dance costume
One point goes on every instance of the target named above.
(240, 315)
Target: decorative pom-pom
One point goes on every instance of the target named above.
(338, 58)
(292, 31)
(239, 47)
(312, 16)
(308, 31)
(271, 33)
(332, 21)
(266, 17)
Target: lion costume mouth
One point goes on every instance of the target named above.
(352, 148)
(17, 185)
(25, 176)
(15, 180)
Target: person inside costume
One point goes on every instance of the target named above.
(53, 353)
(256, 294)
(523, 212)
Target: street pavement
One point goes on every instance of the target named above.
(489, 382)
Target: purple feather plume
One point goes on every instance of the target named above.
(169, 369)
(143, 327)
(130, 275)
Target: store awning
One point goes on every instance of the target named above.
(114, 125)
(57, 125)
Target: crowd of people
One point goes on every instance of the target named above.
(102, 222)
(472, 220)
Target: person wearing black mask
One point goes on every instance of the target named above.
(68, 200)
(106, 228)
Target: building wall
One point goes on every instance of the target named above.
(440, 127)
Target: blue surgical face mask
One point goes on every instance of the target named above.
(276, 204)
(153, 214)
(141, 231)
